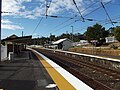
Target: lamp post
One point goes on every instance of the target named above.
(50, 38)
(72, 32)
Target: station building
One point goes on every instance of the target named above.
(16, 44)
(63, 44)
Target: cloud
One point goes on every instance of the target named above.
(35, 8)
(11, 6)
(6, 21)
(31, 11)
(11, 27)
(14, 7)
(7, 24)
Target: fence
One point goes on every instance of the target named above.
(96, 51)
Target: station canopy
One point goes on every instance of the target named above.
(16, 39)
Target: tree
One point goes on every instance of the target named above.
(76, 36)
(96, 32)
(52, 37)
(117, 33)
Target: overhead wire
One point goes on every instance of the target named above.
(106, 13)
(59, 24)
(63, 26)
(92, 11)
(113, 18)
(68, 19)
(75, 16)
(96, 9)
(78, 10)
(37, 25)
(40, 20)
(72, 17)
(74, 22)
(66, 25)
(99, 8)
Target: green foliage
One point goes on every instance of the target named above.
(52, 37)
(46, 40)
(117, 33)
(76, 37)
(95, 32)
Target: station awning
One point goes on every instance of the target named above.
(24, 39)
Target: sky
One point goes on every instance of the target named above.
(29, 16)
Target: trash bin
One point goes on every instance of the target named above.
(10, 56)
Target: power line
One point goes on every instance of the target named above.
(65, 21)
(37, 25)
(64, 26)
(71, 17)
(114, 18)
(118, 4)
(88, 7)
(47, 15)
(106, 13)
(78, 20)
(96, 9)
(78, 10)
(47, 6)
(60, 17)
(76, 15)
(59, 25)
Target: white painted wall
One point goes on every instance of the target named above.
(82, 42)
(3, 53)
(110, 39)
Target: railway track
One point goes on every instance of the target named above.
(98, 77)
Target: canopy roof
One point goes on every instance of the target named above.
(24, 39)
(61, 40)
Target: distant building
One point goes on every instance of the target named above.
(83, 42)
(110, 39)
(63, 44)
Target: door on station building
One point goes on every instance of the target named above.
(60, 46)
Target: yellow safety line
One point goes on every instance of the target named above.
(60, 81)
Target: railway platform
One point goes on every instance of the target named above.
(24, 73)
(28, 72)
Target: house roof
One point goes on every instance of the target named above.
(61, 40)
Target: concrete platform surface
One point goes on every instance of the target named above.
(24, 73)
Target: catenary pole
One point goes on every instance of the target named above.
(72, 32)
